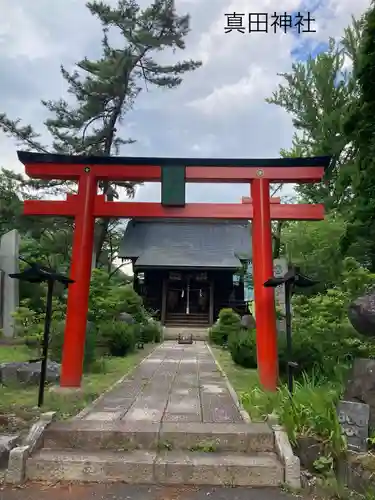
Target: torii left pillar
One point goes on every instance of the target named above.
(80, 272)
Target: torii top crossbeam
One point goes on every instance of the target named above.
(173, 173)
(138, 169)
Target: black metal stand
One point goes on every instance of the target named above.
(47, 326)
(38, 274)
(291, 365)
(290, 280)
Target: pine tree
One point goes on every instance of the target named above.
(106, 89)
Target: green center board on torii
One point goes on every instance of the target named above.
(173, 173)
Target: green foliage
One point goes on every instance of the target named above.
(119, 338)
(242, 347)
(360, 129)
(312, 246)
(27, 322)
(323, 340)
(311, 411)
(151, 331)
(57, 342)
(108, 299)
(228, 323)
(323, 337)
(316, 93)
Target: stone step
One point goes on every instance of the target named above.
(168, 468)
(90, 435)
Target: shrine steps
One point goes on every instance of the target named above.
(169, 454)
(192, 320)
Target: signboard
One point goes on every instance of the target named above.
(354, 418)
(280, 267)
(248, 286)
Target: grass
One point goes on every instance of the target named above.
(311, 411)
(242, 379)
(21, 402)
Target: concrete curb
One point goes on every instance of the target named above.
(16, 472)
(290, 461)
(90, 407)
(232, 392)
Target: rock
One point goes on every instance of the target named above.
(361, 314)
(7, 443)
(248, 322)
(126, 318)
(308, 450)
(360, 386)
(27, 373)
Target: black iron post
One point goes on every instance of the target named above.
(47, 326)
(290, 280)
(288, 324)
(36, 273)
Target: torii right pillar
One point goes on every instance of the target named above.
(265, 314)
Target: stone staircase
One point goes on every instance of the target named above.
(198, 333)
(170, 453)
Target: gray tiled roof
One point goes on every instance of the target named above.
(184, 243)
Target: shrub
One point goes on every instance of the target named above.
(57, 341)
(109, 298)
(228, 323)
(242, 347)
(27, 322)
(322, 336)
(151, 331)
(119, 338)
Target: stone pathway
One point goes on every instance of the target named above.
(176, 383)
(173, 421)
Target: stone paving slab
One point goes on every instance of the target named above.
(176, 383)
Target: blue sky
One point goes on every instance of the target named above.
(218, 111)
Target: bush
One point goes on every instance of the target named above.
(322, 336)
(109, 298)
(57, 341)
(119, 338)
(151, 331)
(228, 323)
(242, 347)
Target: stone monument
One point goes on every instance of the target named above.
(9, 292)
(360, 386)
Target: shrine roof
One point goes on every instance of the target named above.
(198, 244)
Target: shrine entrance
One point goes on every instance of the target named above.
(188, 300)
(173, 173)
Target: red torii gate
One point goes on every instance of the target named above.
(87, 205)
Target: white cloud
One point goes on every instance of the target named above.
(232, 98)
(20, 36)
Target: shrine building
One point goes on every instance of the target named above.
(188, 270)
